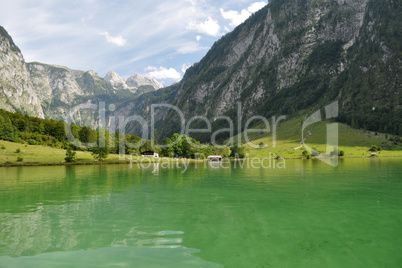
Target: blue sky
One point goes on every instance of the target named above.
(160, 39)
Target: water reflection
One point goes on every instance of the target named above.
(120, 256)
(82, 214)
(161, 217)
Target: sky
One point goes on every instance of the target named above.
(158, 39)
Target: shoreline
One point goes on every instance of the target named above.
(158, 160)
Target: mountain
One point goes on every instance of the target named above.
(137, 80)
(50, 91)
(115, 80)
(295, 56)
(290, 58)
(60, 88)
(17, 93)
(134, 83)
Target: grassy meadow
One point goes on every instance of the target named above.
(354, 142)
(39, 155)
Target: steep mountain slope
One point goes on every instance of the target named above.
(370, 88)
(60, 88)
(301, 54)
(16, 90)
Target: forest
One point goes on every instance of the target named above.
(25, 129)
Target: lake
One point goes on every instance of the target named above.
(306, 214)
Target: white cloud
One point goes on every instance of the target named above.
(237, 18)
(116, 40)
(190, 47)
(163, 73)
(209, 27)
(184, 67)
(256, 6)
(153, 33)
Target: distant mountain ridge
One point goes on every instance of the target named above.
(49, 91)
(133, 83)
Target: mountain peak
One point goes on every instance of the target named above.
(8, 39)
(115, 80)
(132, 83)
(137, 80)
(112, 73)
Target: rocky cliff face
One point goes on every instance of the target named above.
(16, 90)
(271, 52)
(295, 55)
(55, 83)
(61, 89)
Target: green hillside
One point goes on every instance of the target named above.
(354, 142)
(43, 155)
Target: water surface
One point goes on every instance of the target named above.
(306, 215)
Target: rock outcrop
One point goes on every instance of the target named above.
(17, 93)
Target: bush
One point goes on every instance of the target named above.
(3, 148)
(341, 153)
(374, 148)
(20, 159)
(32, 142)
(306, 154)
(70, 155)
(100, 153)
(18, 151)
(238, 151)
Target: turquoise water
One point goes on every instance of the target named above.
(305, 215)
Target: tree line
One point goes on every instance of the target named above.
(21, 128)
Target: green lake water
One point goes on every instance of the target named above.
(305, 215)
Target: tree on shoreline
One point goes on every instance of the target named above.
(70, 155)
(100, 153)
